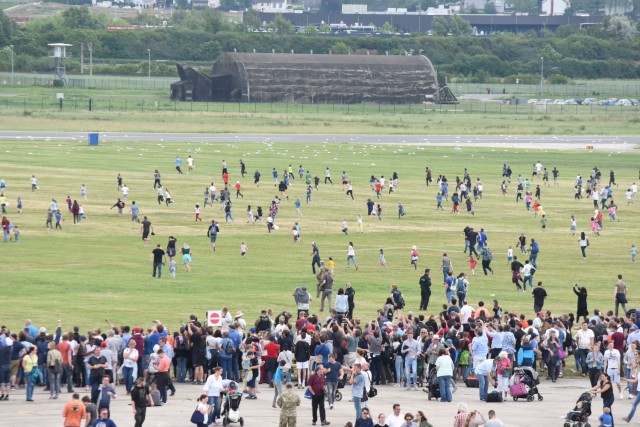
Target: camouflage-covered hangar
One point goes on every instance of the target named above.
(313, 79)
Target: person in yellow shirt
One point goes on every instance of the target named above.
(30, 366)
(331, 265)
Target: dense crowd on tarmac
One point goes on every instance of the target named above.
(477, 344)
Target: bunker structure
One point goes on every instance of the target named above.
(310, 79)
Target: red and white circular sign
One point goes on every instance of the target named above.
(214, 318)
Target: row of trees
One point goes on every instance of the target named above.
(611, 50)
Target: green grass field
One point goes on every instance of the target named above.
(101, 268)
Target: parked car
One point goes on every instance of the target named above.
(608, 102)
(589, 101)
(572, 101)
(634, 101)
(624, 103)
(532, 101)
(558, 101)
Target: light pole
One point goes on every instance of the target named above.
(541, 74)
(149, 67)
(11, 46)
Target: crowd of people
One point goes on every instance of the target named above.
(323, 353)
(319, 352)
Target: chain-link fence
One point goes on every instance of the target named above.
(97, 104)
(88, 82)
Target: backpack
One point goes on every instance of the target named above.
(400, 301)
(489, 254)
(460, 286)
(390, 314)
(228, 347)
(264, 324)
(57, 366)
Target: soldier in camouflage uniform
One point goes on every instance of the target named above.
(322, 271)
(288, 402)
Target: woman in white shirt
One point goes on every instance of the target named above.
(204, 409)
(445, 367)
(351, 256)
(130, 364)
(213, 387)
(342, 303)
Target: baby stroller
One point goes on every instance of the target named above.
(420, 375)
(231, 411)
(341, 382)
(524, 384)
(433, 387)
(579, 417)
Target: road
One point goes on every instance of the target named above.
(608, 143)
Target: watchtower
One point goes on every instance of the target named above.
(59, 54)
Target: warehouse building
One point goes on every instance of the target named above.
(311, 79)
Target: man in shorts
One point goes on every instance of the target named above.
(612, 365)
(135, 210)
(6, 344)
(212, 234)
(146, 228)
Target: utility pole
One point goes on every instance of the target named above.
(81, 58)
(149, 66)
(90, 47)
(11, 46)
(541, 74)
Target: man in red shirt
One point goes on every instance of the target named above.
(67, 361)
(316, 386)
(302, 321)
(272, 350)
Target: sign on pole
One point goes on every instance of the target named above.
(214, 318)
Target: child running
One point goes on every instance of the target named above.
(243, 249)
(414, 257)
(383, 262)
(172, 268)
(472, 264)
(509, 255)
(634, 252)
(574, 225)
(595, 227)
(197, 212)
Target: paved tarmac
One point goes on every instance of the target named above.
(607, 143)
(559, 398)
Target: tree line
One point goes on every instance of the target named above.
(610, 50)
